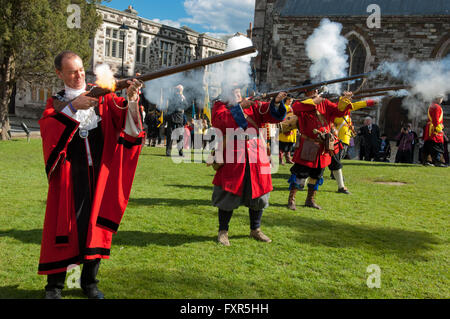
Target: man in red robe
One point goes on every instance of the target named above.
(316, 148)
(245, 176)
(91, 148)
(433, 135)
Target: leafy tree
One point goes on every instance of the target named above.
(32, 33)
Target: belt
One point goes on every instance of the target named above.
(311, 139)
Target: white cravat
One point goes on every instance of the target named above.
(87, 118)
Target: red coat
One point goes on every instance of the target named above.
(308, 121)
(231, 175)
(59, 247)
(435, 125)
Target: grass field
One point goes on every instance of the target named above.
(166, 245)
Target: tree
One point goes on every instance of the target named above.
(32, 33)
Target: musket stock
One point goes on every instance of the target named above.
(122, 84)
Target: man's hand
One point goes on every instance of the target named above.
(280, 97)
(348, 94)
(318, 99)
(245, 104)
(133, 90)
(83, 102)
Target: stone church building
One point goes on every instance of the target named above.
(124, 38)
(412, 29)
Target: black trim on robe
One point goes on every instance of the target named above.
(70, 127)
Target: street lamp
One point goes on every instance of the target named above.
(123, 27)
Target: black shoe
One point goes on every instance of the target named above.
(343, 190)
(94, 293)
(53, 294)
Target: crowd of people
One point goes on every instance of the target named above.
(92, 145)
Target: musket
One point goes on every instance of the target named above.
(122, 84)
(372, 92)
(362, 96)
(309, 86)
(383, 89)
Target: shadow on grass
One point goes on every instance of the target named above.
(125, 237)
(13, 292)
(207, 187)
(139, 238)
(365, 163)
(405, 244)
(134, 202)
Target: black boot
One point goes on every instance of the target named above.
(88, 281)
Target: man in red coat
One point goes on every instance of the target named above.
(245, 176)
(91, 148)
(433, 135)
(316, 116)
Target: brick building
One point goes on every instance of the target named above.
(412, 29)
(145, 46)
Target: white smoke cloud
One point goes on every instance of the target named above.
(326, 48)
(222, 74)
(428, 79)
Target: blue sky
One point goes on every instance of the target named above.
(216, 17)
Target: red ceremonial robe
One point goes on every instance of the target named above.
(59, 247)
(308, 121)
(231, 175)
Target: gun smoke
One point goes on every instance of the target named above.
(428, 79)
(326, 48)
(194, 82)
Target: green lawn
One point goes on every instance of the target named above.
(166, 245)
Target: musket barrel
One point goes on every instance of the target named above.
(313, 85)
(383, 89)
(122, 84)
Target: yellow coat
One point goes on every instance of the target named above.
(343, 124)
(291, 136)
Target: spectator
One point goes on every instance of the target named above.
(385, 149)
(415, 141)
(176, 119)
(370, 134)
(152, 122)
(405, 144)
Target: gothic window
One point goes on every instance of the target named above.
(356, 59)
